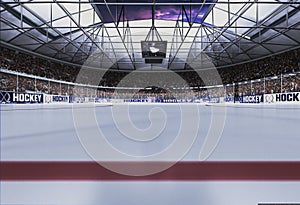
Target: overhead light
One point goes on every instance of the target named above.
(244, 36)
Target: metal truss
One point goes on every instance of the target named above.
(234, 38)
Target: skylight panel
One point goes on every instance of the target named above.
(235, 8)
(251, 13)
(243, 25)
(62, 24)
(87, 18)
(220, 17)
(57, 12)
(32, 17)
(265, 10)
(43, 10)
(71, 7)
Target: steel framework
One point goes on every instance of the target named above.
(230, 31)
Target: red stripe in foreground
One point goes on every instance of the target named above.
(180, 171)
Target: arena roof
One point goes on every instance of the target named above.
(229, 32)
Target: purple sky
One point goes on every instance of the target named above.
(145, 12)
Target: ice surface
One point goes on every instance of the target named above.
(251, 133)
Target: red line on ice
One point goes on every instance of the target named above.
(181, 171)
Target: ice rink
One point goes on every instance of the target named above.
(47, 133)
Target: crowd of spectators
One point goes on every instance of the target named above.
(275, 74)
(29, 64)
(288, 62)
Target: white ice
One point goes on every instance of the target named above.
(251, 133)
